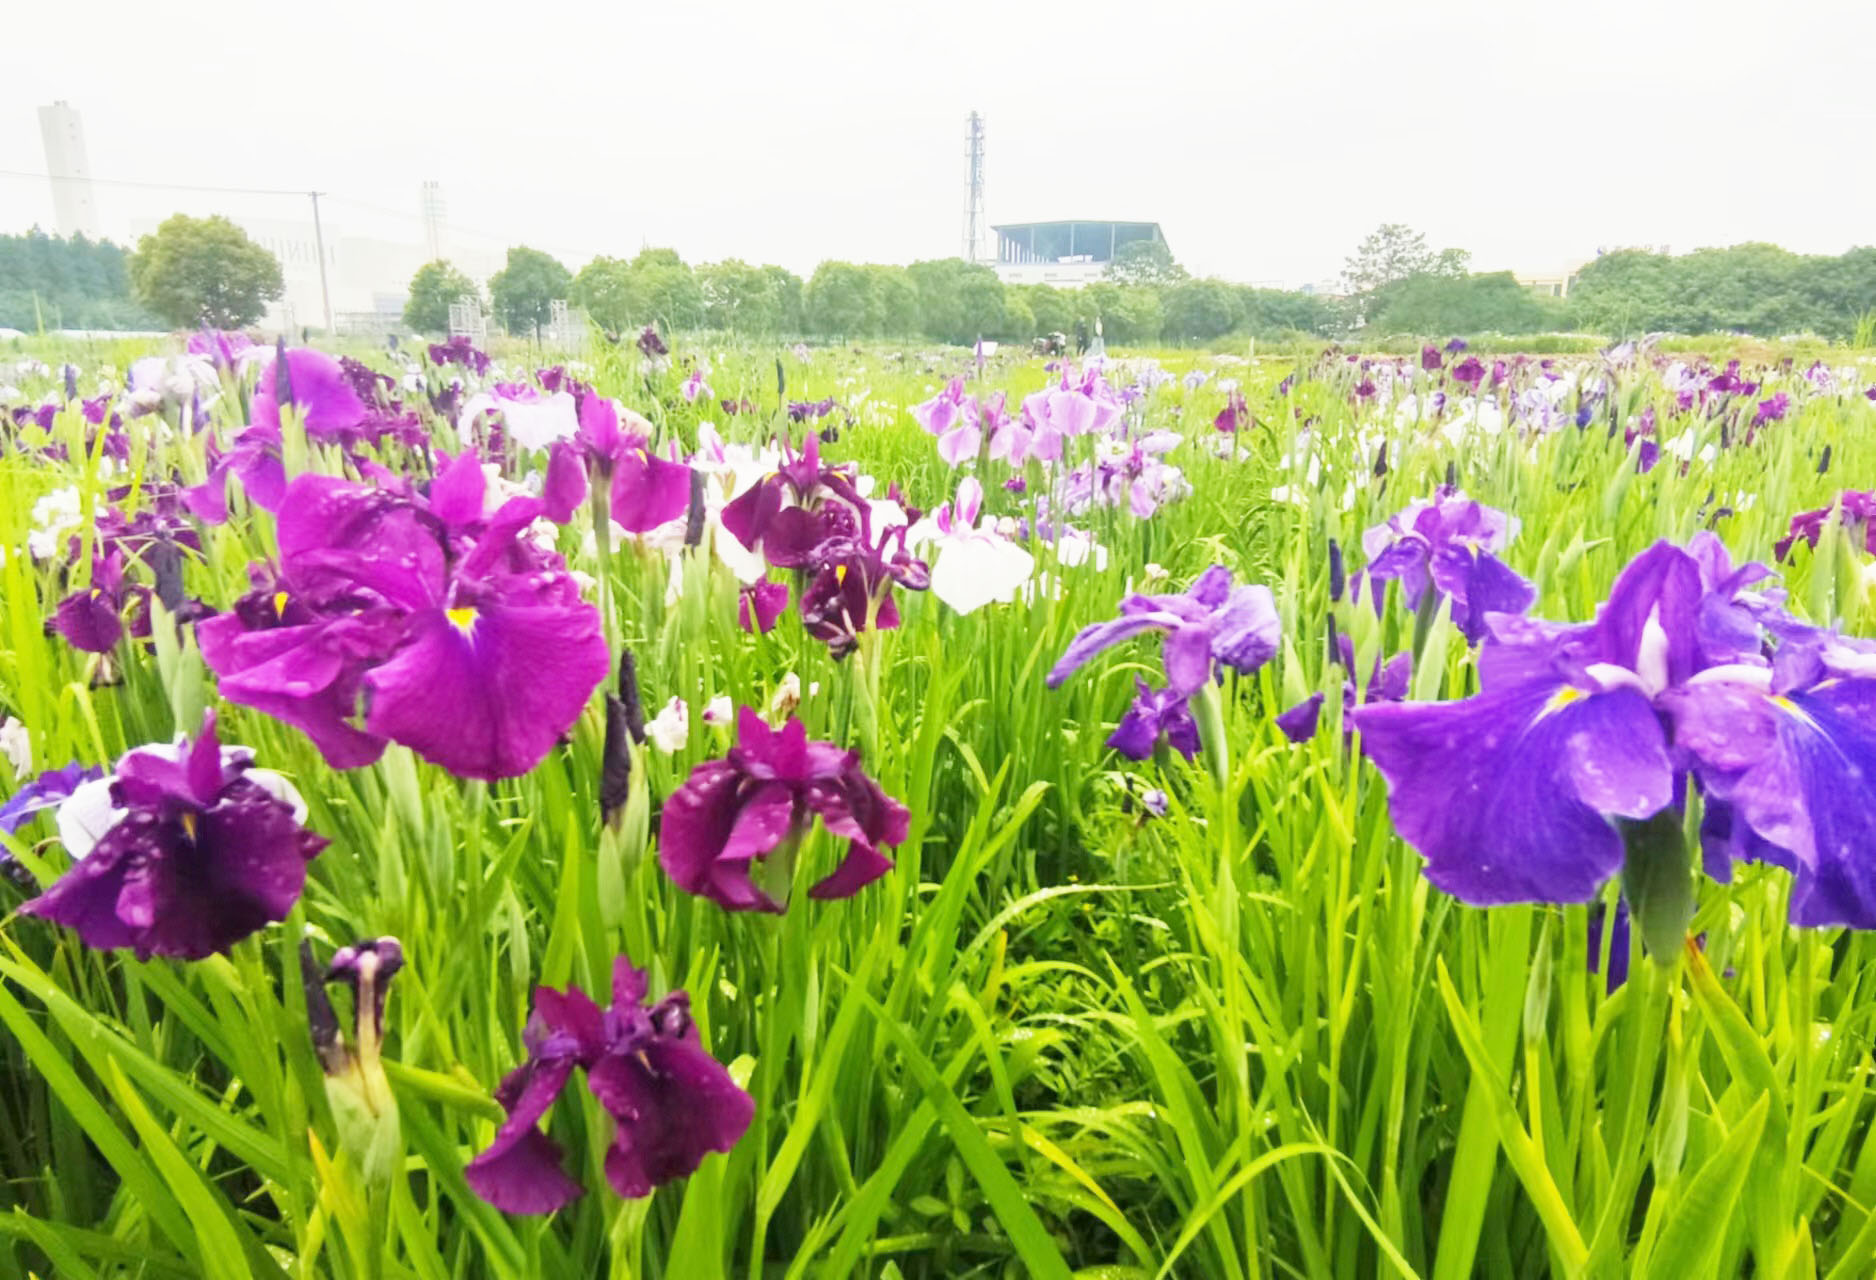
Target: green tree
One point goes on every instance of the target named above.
(840, 300)
(958, 301)
(1434, 306)
(1145, 262)
(608, 289)
(895, 300)
(668, 289)
(436, 286)
(739, 298)
(57, 283)
(792, 292)
(1051, 310)
(1019, 321)
(525, 289)
(204, 271)
(1127, 313)
(1200, 310)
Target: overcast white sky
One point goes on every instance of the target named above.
(1266, 140)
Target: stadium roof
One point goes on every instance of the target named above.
(1070, 240)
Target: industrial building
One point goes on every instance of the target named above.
(1068, 254)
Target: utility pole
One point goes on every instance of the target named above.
(319, 246)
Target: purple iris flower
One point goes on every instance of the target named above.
(1510, 794)
(671, 1103)
(810, 410)
(954, 417)
(1856, 510)
(468, 641)
(1299, 723)
(759, 606)
(1155, 713)
(47, 791)
(92, 620)
(1211, 624)
(792, 512)
(695, 387)
(459, 350)
(1455, 346)
(852, 590)
(1448, 544)
(1234, 415)
(644, 490)
(1076, 406)
(650, 345)
(1430, 358)
(329, 405)
(181, 852)
(1470, 371)
(1771, 409)
(731, 831)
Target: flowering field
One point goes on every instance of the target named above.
(687, 812)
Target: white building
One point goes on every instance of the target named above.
(1067, 255)
(74, 205)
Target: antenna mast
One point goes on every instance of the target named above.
(974, 203)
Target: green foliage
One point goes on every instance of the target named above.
(1748, 288)
(1128, 313)
(433, 290)
(758, 301)
(1200, 310)
(523, 291)
(959, 301)
(1145, 262)
(840, 300)
(204, 271)
(667, 289)
(58, 283)
(1049, 306)
(1490, 303)
(608, 290)
(893, 305)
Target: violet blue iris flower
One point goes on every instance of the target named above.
(731, 831)
(47, 791)
(1300, 722)
(1447, 544)
(1510, 794)
(1155, 713)
(182, 852)
(470, 643)
(1212, 624)
(671, 1103)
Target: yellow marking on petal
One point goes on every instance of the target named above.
(1783, 703)
(188, 823)
(1561, 699)
(840, 574)
(463, 618)
(280, 603)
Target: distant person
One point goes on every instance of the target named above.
(1099, 350)
(1081, 337)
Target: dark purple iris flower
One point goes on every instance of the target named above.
(1211, 624)
(467, 641)
(1858, 514)
(1430, 358)
(1511, 795)
(1155, 713)
(1235, 415)
(759, 606)
(1448, 544)
(459, 350)
(650, 345)
(47, 791)
(1470, 371)
(731, 831)
(671, 1103)
(181, 852)
(852, 590)
(809, 410)
(92, 619)
(643, 490)
(792, 512)
(1771, 409)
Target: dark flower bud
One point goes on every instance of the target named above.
(628, 695)
(71, 382)
(283, 375)
(694, 523)
(1823, 463)
(165, 560)
(1338, 577)
(781, 380)
(1380, 461)
(1452, 474)
(615, 762)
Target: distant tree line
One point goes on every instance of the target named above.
(66, 284)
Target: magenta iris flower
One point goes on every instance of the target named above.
(1235, 415)
(459, 350)
(644, 490)
(1430, 358)
(1856, 510)
(1447, 544)
(1511, 794)
(671, 1103)
(759, 606)
(1212, 624)
(181, 852)
(465, 640)
(730, 832)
